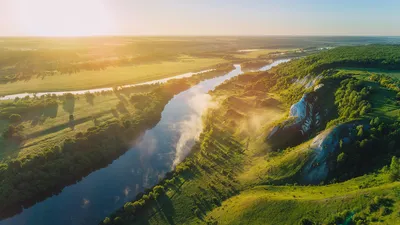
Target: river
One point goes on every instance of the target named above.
(79, 92)
(105, 190)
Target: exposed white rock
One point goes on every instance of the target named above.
(314, 81)
(318, 87)
(299, 109)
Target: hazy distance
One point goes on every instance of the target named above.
(205, 17)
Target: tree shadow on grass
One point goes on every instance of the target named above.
(166, 209)
(69, 103)
(38, 117)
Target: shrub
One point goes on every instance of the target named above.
(15, 118)
(197, 212)
(107, 221)
(394, 172)
(306, 221)
(341, 158)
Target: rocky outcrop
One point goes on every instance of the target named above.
(303, 116)
(324, 147)
(307, 117)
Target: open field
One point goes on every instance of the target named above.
(259, 53)
(112, 76)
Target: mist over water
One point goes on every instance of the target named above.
(191, 128)
(161, 148)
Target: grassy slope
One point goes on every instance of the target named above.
(112, 76)
(260, 204)
(382, 99)
(289, 204)
(229, 156)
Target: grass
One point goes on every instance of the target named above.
(218, 172)
(6, 147)
(204, 189)
(244, 198)
(383, 100)
(273, 167)
(289, 204)
(384, 104)
(112, 76)
(370, 71)
(257, 53)
(48, 131)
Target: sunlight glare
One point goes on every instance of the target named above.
(64, 17)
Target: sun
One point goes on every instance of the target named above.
(64, 17)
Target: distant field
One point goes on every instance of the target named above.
(111, 76)
(255, 53)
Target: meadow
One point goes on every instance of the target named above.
(112, 76)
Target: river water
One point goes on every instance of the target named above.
(79, 92)
(155, 153)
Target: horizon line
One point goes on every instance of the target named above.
(189, 35)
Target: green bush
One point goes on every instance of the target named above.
(15, 118)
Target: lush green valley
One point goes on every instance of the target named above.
(44, 152)
(312, 141)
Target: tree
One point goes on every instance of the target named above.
(121, 107)
(394, 173)
(157, 191)
(9, 132)
(306, 221)
(341, 158)
(107, 221)
(90, 98)
(15, 118)
(360, 131)
(375, 121)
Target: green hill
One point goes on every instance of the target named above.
(313, 141)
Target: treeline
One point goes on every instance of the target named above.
(351, 100)
(386, 81)
(25, 65)
(374, 145)
(368, 56)
(255, 64)
(27, 105)
(52, 168)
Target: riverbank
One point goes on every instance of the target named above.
(54, 167)
(209, 173)
(112, 76)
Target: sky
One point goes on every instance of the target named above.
(199, 17)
